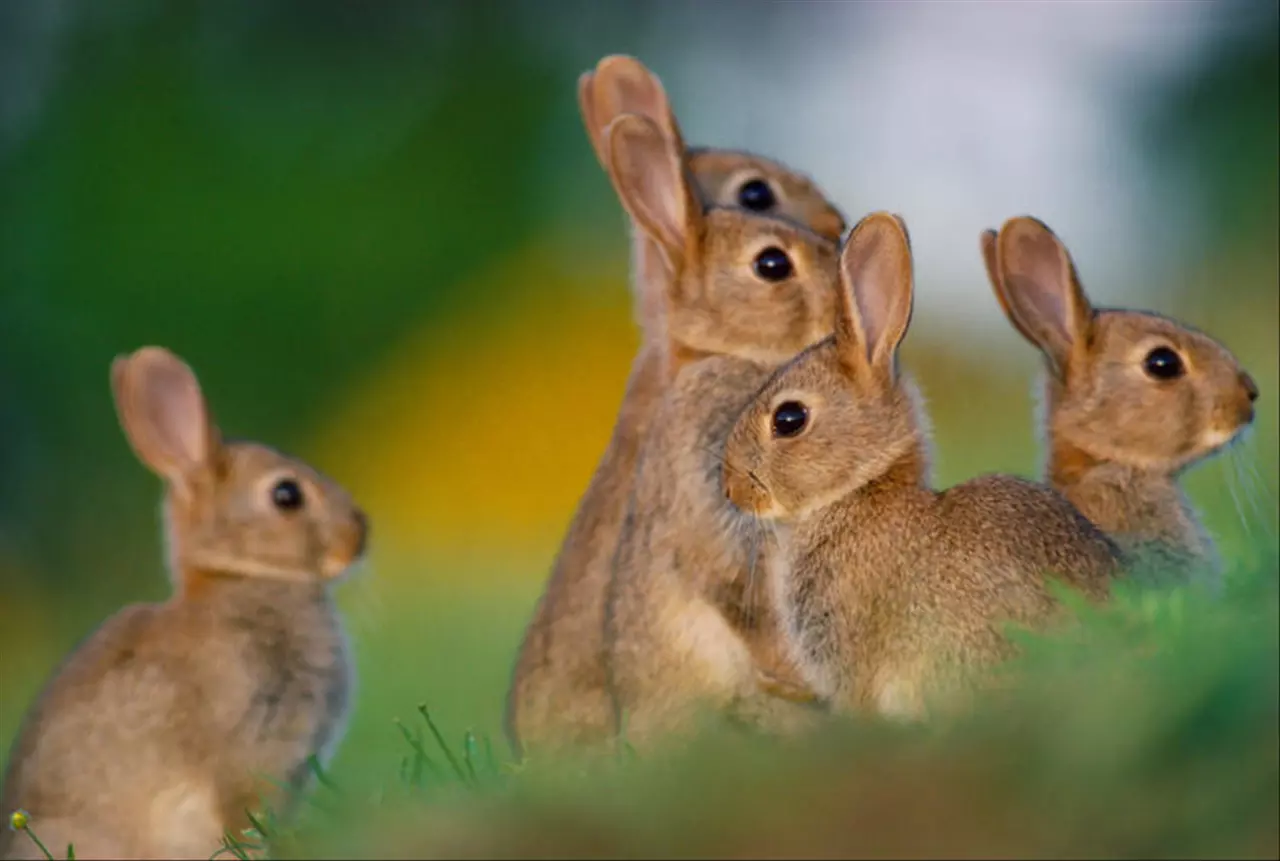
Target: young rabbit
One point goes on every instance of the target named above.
(891, 592)
(154, 735)
(687, 624)
(558, 694)
(1131, 400)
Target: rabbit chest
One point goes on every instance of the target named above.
(283, 683)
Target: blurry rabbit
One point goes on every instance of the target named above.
(688, 626)
(558, 694)
(1131, 399)
(891, 592)
(152, 738)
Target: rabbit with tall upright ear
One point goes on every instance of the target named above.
(688, 624)
(891, 592)
(1131, 399)
(558, 695)
(156, 734)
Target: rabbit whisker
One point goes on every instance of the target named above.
(753, 559)
(1256, 492)
(751, 476)
(1234, 479)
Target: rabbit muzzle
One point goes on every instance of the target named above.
(746, 493)
(349, 545)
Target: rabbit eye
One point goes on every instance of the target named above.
(1163, 363)
(286, 495)
(773, 264)
(756, 195)
(789, 419)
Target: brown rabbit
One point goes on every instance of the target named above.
(891, 591)
(558, 695)
(687, 624)
(152, 738)
(1131, 400)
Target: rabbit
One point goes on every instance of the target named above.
(151, 739)
(687, 629)
(892, 593)
(1131, 400)
(558, 696)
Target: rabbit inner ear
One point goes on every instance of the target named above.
(876, 293)
(647, 170)
(164, 414)
(1039, 290)
(991, 261)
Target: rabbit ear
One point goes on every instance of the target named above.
(647, 170)
(991, 262)
(1038, 288)
(164, 414)
(586, 107)
(875, 294)
(623, 85)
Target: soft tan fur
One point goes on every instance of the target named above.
(151, 739)
(688, 623)
(1117, 438)
(892, 592)
(558, 694)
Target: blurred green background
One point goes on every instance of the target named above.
(379, 235)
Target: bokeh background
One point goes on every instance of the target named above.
(378, 233)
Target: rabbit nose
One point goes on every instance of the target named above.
(1250, 387)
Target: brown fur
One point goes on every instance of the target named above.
(892, 592)
(150, 740)
(558, 694)
(1117, 438)
(687, 623)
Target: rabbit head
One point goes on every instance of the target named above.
(744, 284)
(232, 508)
(735, 178)
(620, 84)
(840, 414)
(1127, 387)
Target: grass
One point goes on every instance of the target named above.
(1147, 730)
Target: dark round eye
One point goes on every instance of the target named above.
(773, 264)
(790, 418)
(1163, 364)
(286, 495)
(756, 195)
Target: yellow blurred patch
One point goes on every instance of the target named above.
(476, 437)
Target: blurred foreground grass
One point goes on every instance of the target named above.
(1148, 730)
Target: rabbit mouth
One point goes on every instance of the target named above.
(349, 550)
(350, 555)
(748, 494)
(1218, 438)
